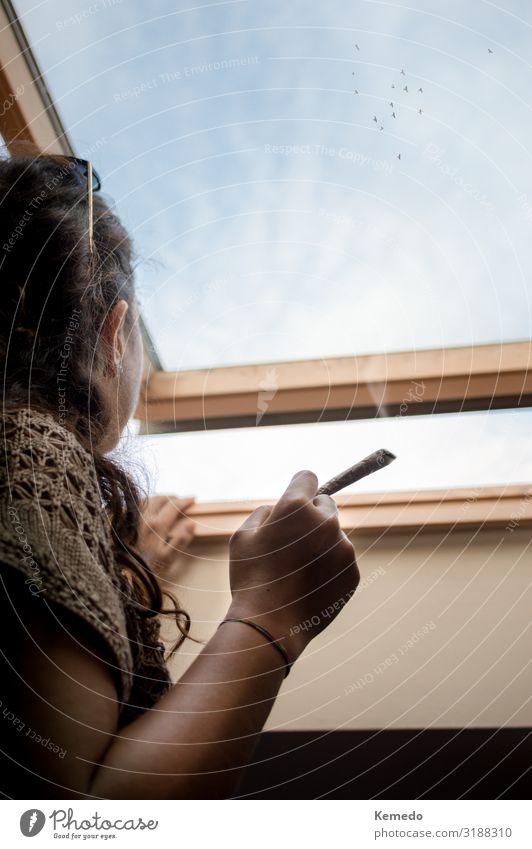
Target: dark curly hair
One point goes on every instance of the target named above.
(48, 274)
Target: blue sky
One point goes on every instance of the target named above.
(272, 216)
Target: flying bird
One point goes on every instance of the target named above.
(391, 103)
(421, 90)
(356, 91)
(393, 85)
(393, 114)
(421, 111)
(406, 89)
(403, 72)
(382, 128)
(398, 156)
(357, 47)
(375, 119)
(490, 51)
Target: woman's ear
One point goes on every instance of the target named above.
(113, 333)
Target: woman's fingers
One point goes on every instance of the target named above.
(173, 509)
(165, 528)
(326, 505)
(184, 528)
(257, 518)
(303, 485)
(298, 494)
(164, 513)
(182, 534)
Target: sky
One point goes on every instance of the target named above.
(275, 220)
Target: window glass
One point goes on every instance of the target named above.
(466, 449)
(307, 179)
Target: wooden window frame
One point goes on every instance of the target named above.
(460, 379)
(486, 507)
(446, 380)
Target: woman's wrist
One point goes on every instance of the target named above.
(276, 644)
(253, 654)
(293, 641)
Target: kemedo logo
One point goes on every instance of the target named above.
(31, 822)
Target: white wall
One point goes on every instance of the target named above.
(469, 593)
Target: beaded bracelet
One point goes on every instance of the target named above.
(275, 643)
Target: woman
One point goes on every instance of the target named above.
(89, 710)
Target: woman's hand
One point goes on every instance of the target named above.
(292, 567)
(165, 531)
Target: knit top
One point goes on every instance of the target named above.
(56, 533)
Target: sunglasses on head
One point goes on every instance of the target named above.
(88, 179)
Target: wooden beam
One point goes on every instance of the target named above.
(28, 111)
(340, 388)
(496, 507)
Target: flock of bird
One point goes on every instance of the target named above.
(393, 105)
